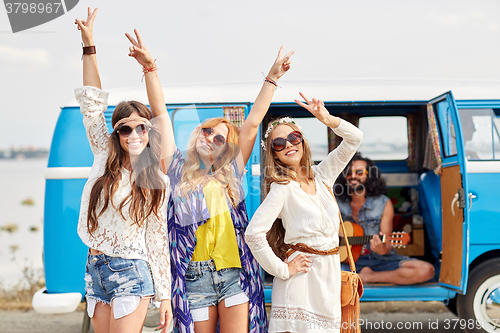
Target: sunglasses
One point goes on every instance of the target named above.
(219, 140)
(126, 130)
(295, 138)
(358, 172)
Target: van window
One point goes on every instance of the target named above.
(384, 138)
(316, 134)
(447, 126)
(480, 130)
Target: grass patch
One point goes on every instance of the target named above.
(19, 296)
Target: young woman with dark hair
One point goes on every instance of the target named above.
(122, 215)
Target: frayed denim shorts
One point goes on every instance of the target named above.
(206, 286)
(123, 281)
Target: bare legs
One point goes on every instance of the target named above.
(411, 272)
(233, 319)
(104, 321)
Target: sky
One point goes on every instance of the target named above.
(236, 41)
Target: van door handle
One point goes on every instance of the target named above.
(455, 200)
(471, 196)
(459, 199)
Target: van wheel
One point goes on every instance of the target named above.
(479, 308)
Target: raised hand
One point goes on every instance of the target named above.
(86, 27)
(281, 65)
(139, 52)
(300, 263)
(317, 108)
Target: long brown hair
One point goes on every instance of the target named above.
(276, 171)
(148, 187)
(192, 173)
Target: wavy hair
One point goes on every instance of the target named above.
(374, 185)
(192, 173)
(276, 171)
(148, 187)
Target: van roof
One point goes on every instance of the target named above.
(340, 90)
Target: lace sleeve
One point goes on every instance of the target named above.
(158, 251)
(335, 162)
(93, 102)
(262, 221)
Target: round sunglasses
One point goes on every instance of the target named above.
(126, 130)
(219, 140)
(295, 138)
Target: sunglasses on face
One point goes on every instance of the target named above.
(219, 140)
(358, 172)
(295, 138)
(126, 130)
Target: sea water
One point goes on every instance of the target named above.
(22, 187)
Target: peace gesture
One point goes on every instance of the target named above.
(281, 65)
(86, 27)
(317, 108)
(139, 52)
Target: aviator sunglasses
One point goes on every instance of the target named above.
(294, 138)
(219, 140)
(126, 130)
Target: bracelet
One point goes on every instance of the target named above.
(89, 49)
(146, 70)
(271, 81)
(149, 69)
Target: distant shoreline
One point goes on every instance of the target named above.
(24, 153)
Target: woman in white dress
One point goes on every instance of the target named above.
(301, 247)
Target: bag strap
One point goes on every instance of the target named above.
(352, 266)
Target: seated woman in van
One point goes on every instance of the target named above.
(215, 278)
(122, 217)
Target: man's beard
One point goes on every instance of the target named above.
(357, 188)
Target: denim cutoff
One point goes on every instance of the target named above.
(108, 277)
(206, 286)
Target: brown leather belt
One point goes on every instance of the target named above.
(307, 249)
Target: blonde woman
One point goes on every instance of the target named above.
(294, 233)
(215, 278)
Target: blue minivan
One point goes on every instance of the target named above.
(439, 155)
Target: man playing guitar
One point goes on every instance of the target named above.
(360, 196)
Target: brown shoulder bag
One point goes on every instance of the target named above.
(351, 289)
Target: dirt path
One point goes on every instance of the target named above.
(15, 321)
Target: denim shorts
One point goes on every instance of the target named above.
(206, 286)
(108, 278)
(379, 263)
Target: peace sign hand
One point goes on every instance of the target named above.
(281, 65)
(316, 107)
(139, 52)
(86, 27)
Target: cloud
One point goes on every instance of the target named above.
(10, 56)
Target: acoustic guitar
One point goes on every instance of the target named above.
(355, 235)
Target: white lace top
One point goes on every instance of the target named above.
(116, 236)
(309, 219)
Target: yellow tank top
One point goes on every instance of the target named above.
(216, 239)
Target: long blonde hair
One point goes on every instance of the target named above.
(276, 171)
(192, 173)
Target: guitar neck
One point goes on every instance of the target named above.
(356, 240)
